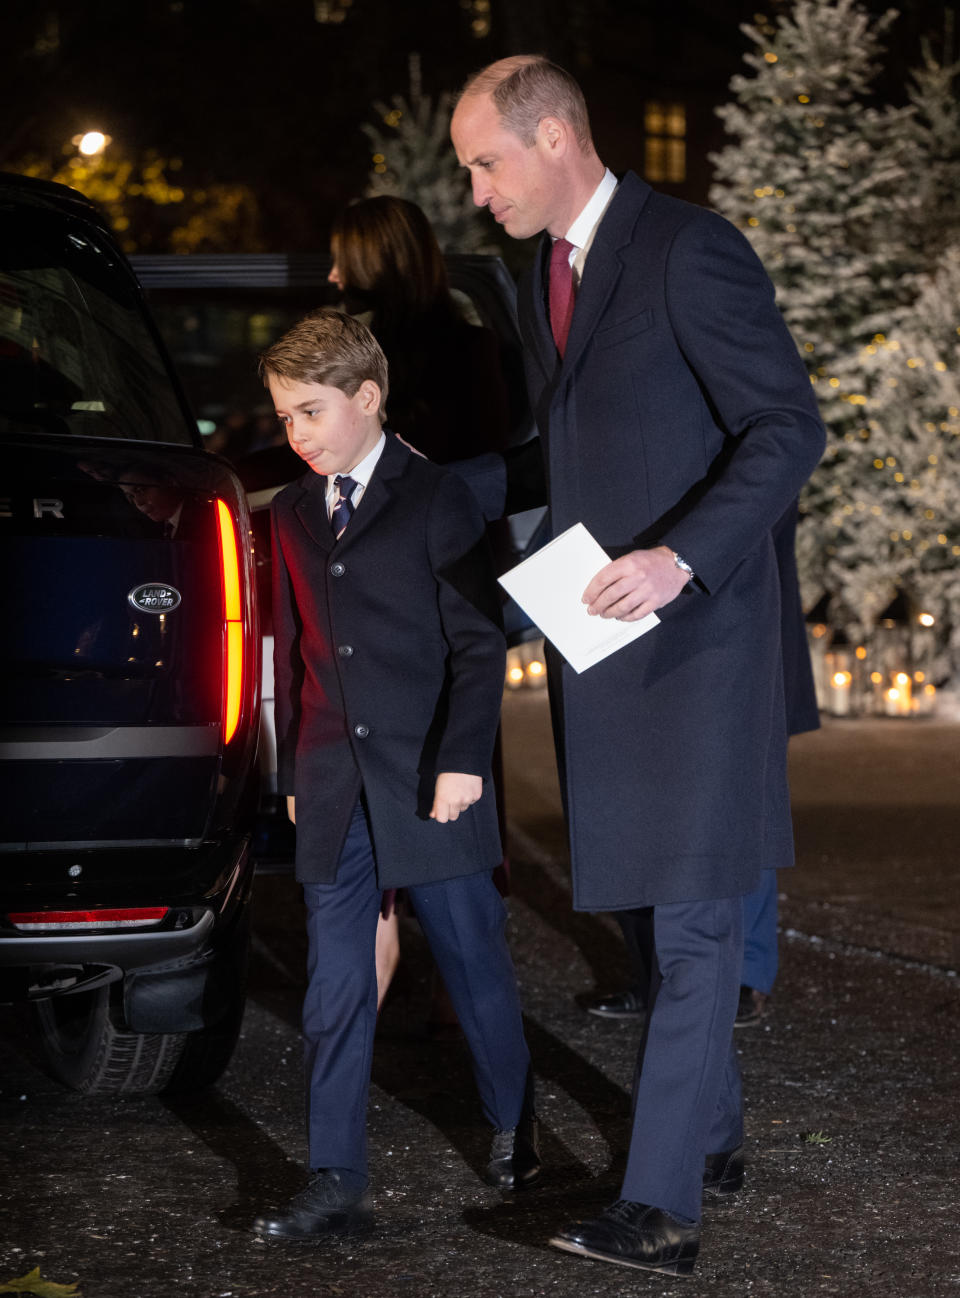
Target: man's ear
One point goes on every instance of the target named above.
(553, 133)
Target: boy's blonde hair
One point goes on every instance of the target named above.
(331, 348)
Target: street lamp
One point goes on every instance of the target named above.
(91, 143)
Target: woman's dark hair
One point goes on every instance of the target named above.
(390, 262)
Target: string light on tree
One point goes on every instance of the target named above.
(863, 250)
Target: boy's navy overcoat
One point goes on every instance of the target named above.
(680, 415)
(389, 662)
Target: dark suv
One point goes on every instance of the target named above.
(131, 675)
(215, 313)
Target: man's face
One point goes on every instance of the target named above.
(517, 182)
(330, 431)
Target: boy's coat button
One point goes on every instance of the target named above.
(338, 569)
(361, 731)
(345, 650)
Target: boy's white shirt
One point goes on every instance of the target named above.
(361, 476)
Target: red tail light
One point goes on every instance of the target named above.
(232, 622)
(84, 920)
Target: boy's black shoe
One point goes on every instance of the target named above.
(723, 1173)
(636, 1235)
(515, 1155)
(324, 1210)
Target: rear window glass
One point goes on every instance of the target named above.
(215, 336)
(76, 355)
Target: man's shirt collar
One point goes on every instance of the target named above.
(581, 231)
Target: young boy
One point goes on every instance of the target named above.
(389, 664)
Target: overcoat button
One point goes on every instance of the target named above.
(361, 731)
(337, 569)
(345, 650)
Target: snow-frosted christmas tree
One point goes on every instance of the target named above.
(819, 181)
(412, 157)
(895, 523)
(853, 208)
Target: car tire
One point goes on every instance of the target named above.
(206, 1054)
(85, 1048)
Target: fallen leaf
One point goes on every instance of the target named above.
(34, 1283)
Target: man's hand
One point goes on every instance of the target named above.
(636, 584)
(454, 792)
(291, 808)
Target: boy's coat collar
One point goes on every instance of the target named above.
(310, 506)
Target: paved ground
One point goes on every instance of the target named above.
(850, 1083)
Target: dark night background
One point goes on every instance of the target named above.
(272, 93)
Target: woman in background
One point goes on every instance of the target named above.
(447, 393)
(447, 396)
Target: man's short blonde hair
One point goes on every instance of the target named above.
(528, 87)
(330, 348)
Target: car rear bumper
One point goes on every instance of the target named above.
(127, 951)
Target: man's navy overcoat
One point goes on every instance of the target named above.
(389, 662)
(681, 415)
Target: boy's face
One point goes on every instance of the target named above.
(330, 431)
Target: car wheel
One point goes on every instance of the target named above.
(86, 1049)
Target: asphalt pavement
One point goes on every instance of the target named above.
(850, 1085)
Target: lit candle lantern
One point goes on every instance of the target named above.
(514, 677)
(904, 688)
(536, 673)
(840, 683)
(924, 695)
(818, 641)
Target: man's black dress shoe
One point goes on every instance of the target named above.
(515, 1156)
(619, 1005)
(324, 1210)
(634, 1234)
(723, 1173)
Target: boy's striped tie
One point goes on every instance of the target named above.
(342, 510)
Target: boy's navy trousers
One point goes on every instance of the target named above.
(464, 921)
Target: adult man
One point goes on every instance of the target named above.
(677, 423)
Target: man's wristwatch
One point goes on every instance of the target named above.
(684, 566)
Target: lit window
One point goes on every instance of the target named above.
(665, 144)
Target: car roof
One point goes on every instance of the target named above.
(48, 194)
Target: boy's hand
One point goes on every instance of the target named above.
(291, 808)
(454, 792)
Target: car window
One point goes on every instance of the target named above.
(214, 338)
(217, 313)
(76, 355)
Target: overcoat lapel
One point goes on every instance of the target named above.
(379, 490)
(310, 508)
(311, 505)
(600, 278)
(604, 265)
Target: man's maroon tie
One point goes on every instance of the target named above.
(561, 292)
